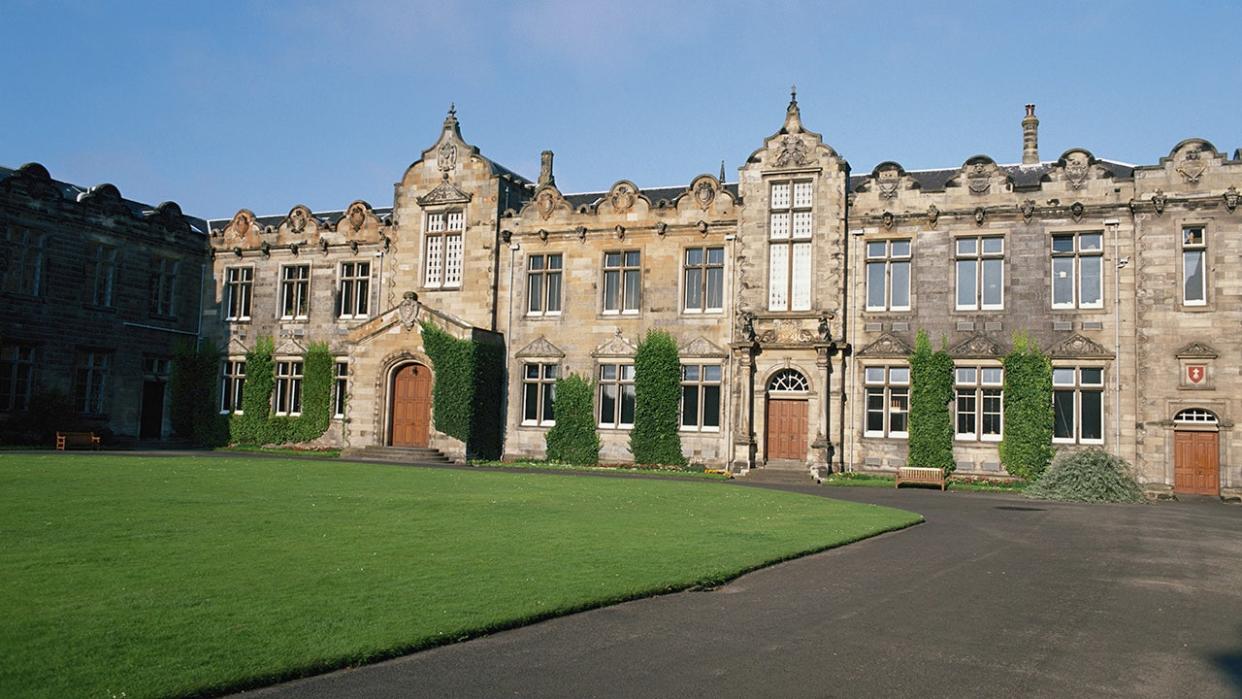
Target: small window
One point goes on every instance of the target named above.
(616, 396)
(788, 381)
(1196, 416)
(295, 291)
(538, 394)
(700, 397)
(622, 281)
(888, 275)
(353, 295)
(232, 384)
(1194, 266)
(543, 284)
(703, 280)
(340, 389)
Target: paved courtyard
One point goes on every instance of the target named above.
(992, 596)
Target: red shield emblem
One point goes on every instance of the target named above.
(1196, 373)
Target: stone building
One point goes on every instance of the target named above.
(794, 292)
(95, 291)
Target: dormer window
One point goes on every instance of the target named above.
(443, 249)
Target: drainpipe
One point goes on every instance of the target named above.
(846, 299)
(1113, 226)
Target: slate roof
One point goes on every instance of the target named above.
(71, 192)
(1023, 176)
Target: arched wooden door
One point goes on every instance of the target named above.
(786, 416)
(411, 406)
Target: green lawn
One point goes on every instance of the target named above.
(142, 577)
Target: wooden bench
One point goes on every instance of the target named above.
(919, 476)
(64, 440)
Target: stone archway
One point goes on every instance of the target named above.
(409, 405)
(1196, 452)
(786, 416)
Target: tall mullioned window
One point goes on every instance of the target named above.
(1078, 405)
(288, 388)
(980, 273)
(17, 364)
(353, 295)
(538, 394)
(232, 382)
(238, 283)
(887, 401)
(979, 408)
(543, 284)
(1078, 270)
(442, 244)
(100, 273)
(91, 381)
(295, 291)
(1194, 266)
(340, 389)
(164, 286)
(23, 250)
(888, 275)
(616, 395)
(703, 280)
(791, 225)
(623, 281)
(700, 397)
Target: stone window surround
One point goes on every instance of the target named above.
(790, 240)
(234, 378)
(619, 362)
(682, 274)
(700, 383)
(227, 291)
(1209, 298)
(1078, 389)
(543, 385)
(622, 270)
(1076, 231)
(979, 387)
(291, 388)
(978, 258)
(544, 272)
(444, 235)
(886, 387)
(281, 282)
(887, 260)
(340, 387)
(353, 279)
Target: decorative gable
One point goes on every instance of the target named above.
(540, 348)
(979, 346)
(445, 193)
(1197, 350)
(700, 347)
(618, 346)
(1077, 346)
(289, 346)
(236, 348)
(888, 345)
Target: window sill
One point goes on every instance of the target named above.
(699, 430)
(294, 319)
(536, 425)
(616, 428)
(543, 316)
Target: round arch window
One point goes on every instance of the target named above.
(1195, 416)
(788, 381)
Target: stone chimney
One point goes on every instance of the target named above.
(545, 169)
(1030, 137)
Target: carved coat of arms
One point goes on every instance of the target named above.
(793, 153)
(297, 221)
(1076, 171)
(446, 159)
(979, 180)
(623, 198)
(704, 193)
(408, 310)
(1192, 166)
(357, 217)
(545, 203)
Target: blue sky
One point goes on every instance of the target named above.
(225, 105)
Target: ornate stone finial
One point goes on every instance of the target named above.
(722, 174)
(793, 93)
(450, 121)
(546, 178)
(452, 109)
(793, 117)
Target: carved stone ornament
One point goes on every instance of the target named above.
(704, 193)
(623, 198)
(978, 179)
(444, 193)
(1028, 210)
(746, 324)
(1158, 200)
(540, 348)
(1197, 350)
(886, 184)
(446, 159)
(297, 220)
(793, 153)
(1078, 346)
(661, 228)
(1192, 166)
(1076, 171)
(620, 231)
(545, 202)
(543, 234)
(1231, 198)
(240, 226)
(409, 310)
(785, 331)
(933, 215)
(887, 219)
(702, 228)
(979, 346)
(617, 346)
(980, 215)
(357, 217)
(582, 231)
(1076, 210)
(700, 347)
(825, 330)
(323, 245)
(887, 345)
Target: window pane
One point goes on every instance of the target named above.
(711, 372)
(1063, 414)
(711, 406)
(1192, 261)
(993, 283)
(612, 291)
(532, 371)
(993, 246)
(778, 277)
(802, 194)
(715, 288)
(553, 304)
(608, 404)
(1062, 281)
(549, 398)
(1093, 377)
(1063, 377)
(554, 261)
(1092, 415)
(780, 195)
(966, 376)
(1090, 241)
(632, 281)
(1192, 237)
(715, 256)
(536, 262)
(966, 412)
(530, 402)
(899, 375)
(876, 249)
(632, 258)
(967, 246)
(535, 292)
(612, 259)
(901, 284)
(608, 372)
(800, 289)
(966, 283)
(627, 372)
(992, 376)
(694, 257)
(694, 289)
(1092, 282)
(898, 408)
(875, 410)
(549, 371)
(802, 224)
(1063, 243)
(780, 226)
(875, 374)
(901, 248)
(690, 406)
(875, 285)
(992, 412)
(627, 404)
(690, 372)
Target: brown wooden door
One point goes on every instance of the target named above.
(411, 406)
(786, 430)
(1196, 463)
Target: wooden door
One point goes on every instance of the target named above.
(151, 420)
(1196, 462)
(411, 406)
(786, 430)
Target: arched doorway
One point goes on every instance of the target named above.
(410, 406)
(1196, 452)
(786, 416)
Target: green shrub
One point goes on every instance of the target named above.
(50, 412)
(657, 393)
(573, 439)
(931, 392)
(467, 396)
(1026, 447)
(1092, 475)
(193, 394)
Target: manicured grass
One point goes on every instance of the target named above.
(286, 451)
(143, 577)
(552, 466)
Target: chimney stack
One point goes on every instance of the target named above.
(1030, 137)
(545, 169)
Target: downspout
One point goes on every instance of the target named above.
(1114, 227)
(846, 302)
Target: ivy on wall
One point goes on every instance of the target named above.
(193, 393)
(931, 392)
(573, 439)
(256, 425)
(1026, 448)
(657, 393)
(466, 397)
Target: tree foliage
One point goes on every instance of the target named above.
(931, 421)
(1026, 448)
(573, 439)
(657, 393)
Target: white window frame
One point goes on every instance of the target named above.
(544, 386)
(620, 382)
(888, 259)
(1202, 249)
(288, 286)
(705, 270)
(340, 388)
(978, 390)
(232, 386)
(287, 393)
(790, 203)
(979, 257)
(544, 275)
(699, 385)
(239, 285)
(359, 306)
(1078, 387)
(880, 381)
(622, 271)
(444, 231)
(1077, 255)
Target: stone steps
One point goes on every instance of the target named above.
(783, 476)
(398, 455)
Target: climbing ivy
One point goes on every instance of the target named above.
(573, 439)
(1026, 448)
(193, 394)
(657, 393)
(931, 392)
(466, 398)
(256, 425)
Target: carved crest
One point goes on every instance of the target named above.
(617, 346)
(886, 183)
(1028, 210)
(1079, 346)
(623, 198)
(793, 153)
(409, 309)
(979, 346)
(887, 345)
(297, 220)
(241, 225)
(700, 347)
(786, 331)
(540, 348)
(446, 159)
(1192, 166)
(357, 217)
(978, 179)
(545, 202)
(1197, 350)
(933, 215)
(704, 193)
(1158, 200)
(1077, 168)
(1231, 198)
(444, 193)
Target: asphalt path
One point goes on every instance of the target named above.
(992, 596)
